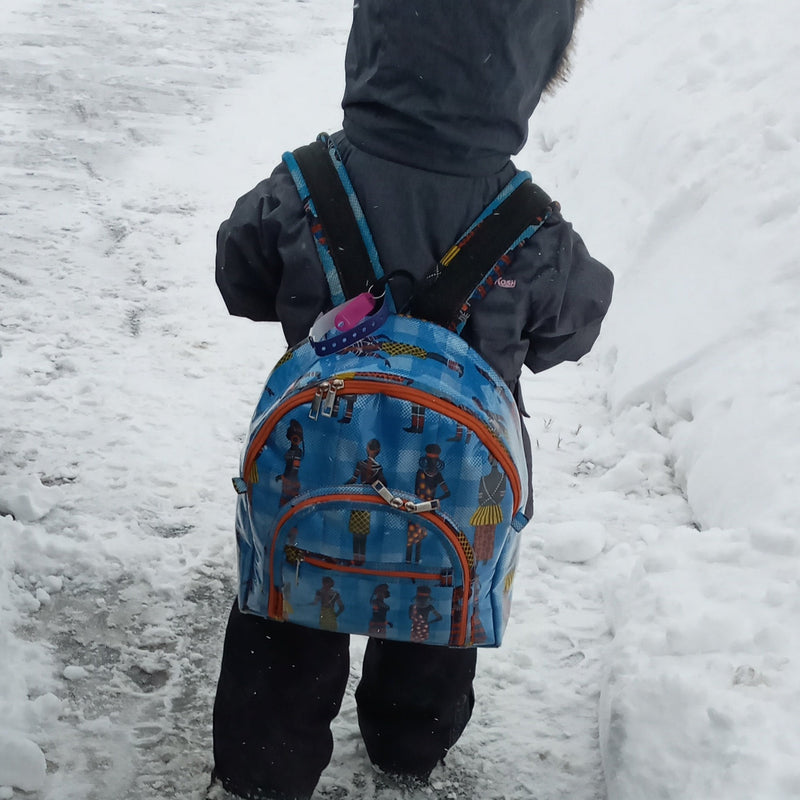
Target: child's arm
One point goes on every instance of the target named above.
(267, 266)
(249, 266)
(575, 293)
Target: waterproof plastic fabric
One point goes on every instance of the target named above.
(379, 490)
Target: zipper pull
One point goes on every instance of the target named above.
(384, 492)
(419, 508)
(336, 385)
(317, 401)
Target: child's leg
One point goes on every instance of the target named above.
(280, 687)
(414, 701)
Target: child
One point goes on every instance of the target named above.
(438, 97)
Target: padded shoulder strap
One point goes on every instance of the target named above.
(342, 236)
(474, 264)
(464, 274)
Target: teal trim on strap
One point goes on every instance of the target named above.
(499, 268)
(358, 213)
(331, 275)
(508, 189)
(297, 177)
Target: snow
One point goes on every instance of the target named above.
(26, 499)
(575, 541)
(22, 763)
(653, 648)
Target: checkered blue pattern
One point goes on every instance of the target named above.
(418, 411)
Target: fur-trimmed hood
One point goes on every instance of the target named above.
(449, 85)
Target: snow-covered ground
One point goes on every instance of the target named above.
(653, 651)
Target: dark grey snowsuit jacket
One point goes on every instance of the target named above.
(438, 96)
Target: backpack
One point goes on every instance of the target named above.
(383, 479)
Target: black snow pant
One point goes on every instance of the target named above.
(281, 685)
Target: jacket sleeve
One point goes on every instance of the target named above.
(266, 264)
(572, 294)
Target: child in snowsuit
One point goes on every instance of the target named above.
(438, 97)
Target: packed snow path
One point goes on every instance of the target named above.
(126, 134)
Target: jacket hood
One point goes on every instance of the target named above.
(449, 85)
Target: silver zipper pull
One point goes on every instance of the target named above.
(317, 401)
(399, 503)
(330, 398)
(419, 508)
(383, 492)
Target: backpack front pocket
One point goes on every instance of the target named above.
(346, 561)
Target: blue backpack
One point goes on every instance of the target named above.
(383, 481)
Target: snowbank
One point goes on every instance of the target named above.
(679, 122)
(678, 145)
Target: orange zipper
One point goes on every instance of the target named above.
(272, 600)
(356, 386)
(322, 563)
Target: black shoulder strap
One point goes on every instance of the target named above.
(343, 237)
(470, 263)
(467, 270)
